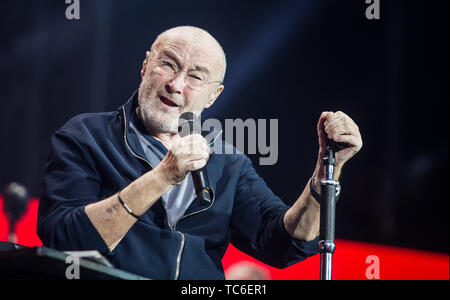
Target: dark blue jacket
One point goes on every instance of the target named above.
(95, 155)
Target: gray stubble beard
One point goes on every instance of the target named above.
(146, 113)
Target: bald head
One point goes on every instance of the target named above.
(196, 38)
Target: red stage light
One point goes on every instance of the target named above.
(350, 260)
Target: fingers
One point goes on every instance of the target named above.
(187, 154)
(340, 124)
(350, 140)
(192, 145)
(342, 129)
(323, 118)
(196, 165)
(320, 128)
(337, 119)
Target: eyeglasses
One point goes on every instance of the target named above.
(194, 79)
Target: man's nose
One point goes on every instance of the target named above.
(177, 84)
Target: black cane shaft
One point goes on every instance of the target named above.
(328, 213)
(327, 216)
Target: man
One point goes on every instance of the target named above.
(119, 182)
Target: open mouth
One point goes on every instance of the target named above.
(168, 102)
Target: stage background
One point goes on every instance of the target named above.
(288, 60)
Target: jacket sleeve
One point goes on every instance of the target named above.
(70, 183)
(257, 226)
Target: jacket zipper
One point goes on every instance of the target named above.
(193, 213)
(180, 253)
(126, 140)
(177, 270)
(183, 239)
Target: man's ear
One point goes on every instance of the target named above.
(144, 63)
(215, 96)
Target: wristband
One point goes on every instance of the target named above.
(127, 208)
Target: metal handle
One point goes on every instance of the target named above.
(327, 216)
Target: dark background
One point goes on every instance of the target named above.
(288, 60)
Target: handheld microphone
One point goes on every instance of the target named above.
(189, 124)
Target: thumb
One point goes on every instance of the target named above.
(321, 130)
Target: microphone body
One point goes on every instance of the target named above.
(191, 124)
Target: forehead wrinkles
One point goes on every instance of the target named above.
(184, 50)
(193, 50)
